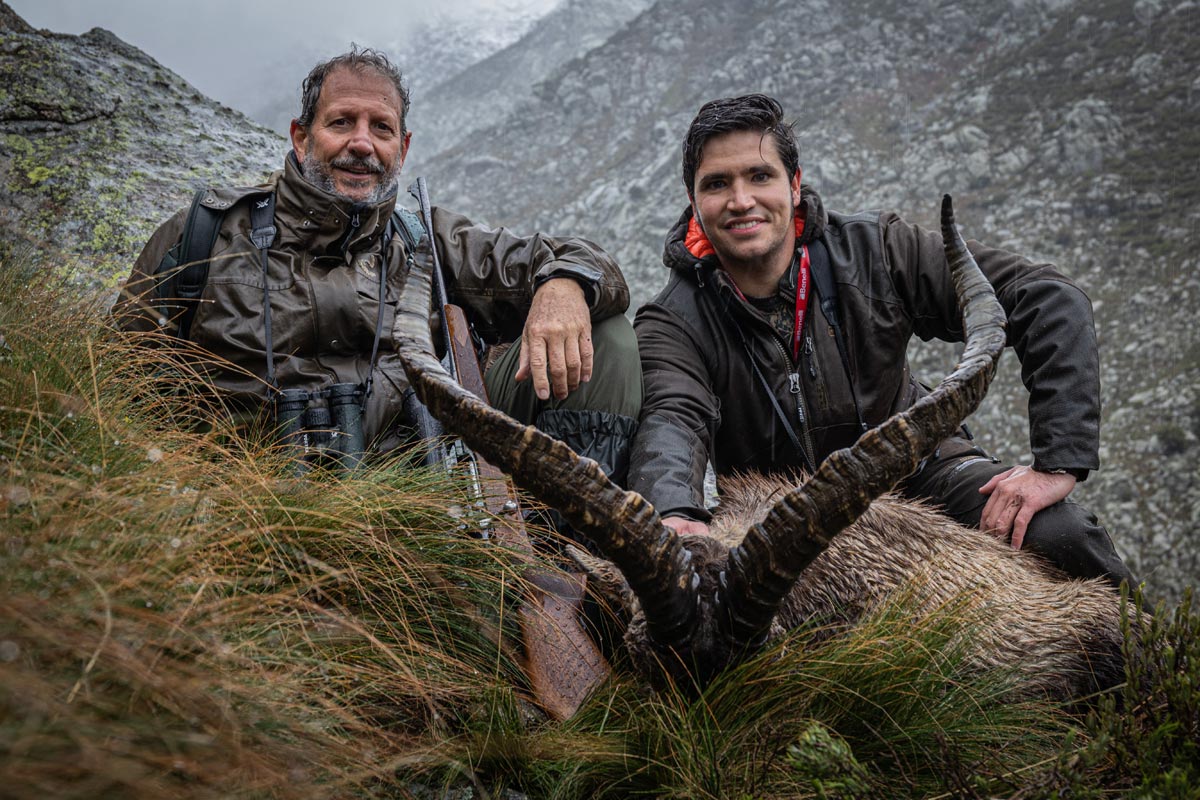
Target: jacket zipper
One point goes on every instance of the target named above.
(794, 387)
(353, 229)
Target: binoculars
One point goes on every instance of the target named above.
(324, 426)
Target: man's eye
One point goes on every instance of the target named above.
(761, 177)
(714, 185)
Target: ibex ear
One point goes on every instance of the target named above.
(606, 583)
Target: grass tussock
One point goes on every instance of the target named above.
(177, 613)
(182, 617)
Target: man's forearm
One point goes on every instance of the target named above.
(667, 467)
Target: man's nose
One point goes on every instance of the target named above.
(360, 140)
(740, 198)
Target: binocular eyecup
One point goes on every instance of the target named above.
(323, 425)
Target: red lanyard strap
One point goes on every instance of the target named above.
(801, 302)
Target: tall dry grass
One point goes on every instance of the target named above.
(181, 617)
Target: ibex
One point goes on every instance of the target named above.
(826, 550)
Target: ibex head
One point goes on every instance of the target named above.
(705, 604)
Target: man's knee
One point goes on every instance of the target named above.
(1071, 538)
(1065, 534)
(615, 386)
(616, 383)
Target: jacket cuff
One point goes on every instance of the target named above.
(1079, 473)
(588, 278)
(694, 514)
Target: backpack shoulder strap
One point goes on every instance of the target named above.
(822, 274)
(185, 267)
(410, 227)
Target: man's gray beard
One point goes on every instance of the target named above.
(316, 174)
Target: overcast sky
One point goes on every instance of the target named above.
(219, 45)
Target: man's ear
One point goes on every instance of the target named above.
(404, 149)
(796, 188)
(299, 136)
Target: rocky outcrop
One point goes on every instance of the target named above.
(99, 143)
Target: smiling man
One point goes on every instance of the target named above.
(295, 288)
(745, 367)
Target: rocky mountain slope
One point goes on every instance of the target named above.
(1068, 130)
(99, 143)
(494, 87)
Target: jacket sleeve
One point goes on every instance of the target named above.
(134, 308)
(680, 415)
(1050, 326)
(496, 272)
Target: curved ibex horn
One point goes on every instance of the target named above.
(763, 569)
(621, 524)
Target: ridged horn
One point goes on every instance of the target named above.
(625, 528)
(765, 566)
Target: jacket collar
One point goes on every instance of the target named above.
(688, 250)
(321, 221)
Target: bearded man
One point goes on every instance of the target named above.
(298, 290)
(749, 363)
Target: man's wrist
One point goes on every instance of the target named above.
(581, 276)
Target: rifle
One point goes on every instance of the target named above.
(562, 661)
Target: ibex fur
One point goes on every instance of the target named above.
(704, 603)
(1060, 638)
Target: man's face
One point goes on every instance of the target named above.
(354, 147)
(745, 202)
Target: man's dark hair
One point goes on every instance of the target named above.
(358, 60)
(750, 112)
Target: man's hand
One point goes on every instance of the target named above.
(684, 525)
(556, 345)
(1016, 495)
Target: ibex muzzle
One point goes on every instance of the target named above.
(704, 603)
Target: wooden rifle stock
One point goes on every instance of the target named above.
(562, 660)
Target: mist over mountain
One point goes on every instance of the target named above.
(493, 87)
(1066, 130)
(428, 53)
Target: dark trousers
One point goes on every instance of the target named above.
(615, 387)
(1065, 534)
(596, 420)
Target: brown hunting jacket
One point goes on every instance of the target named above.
(703, 399)
(324, 284)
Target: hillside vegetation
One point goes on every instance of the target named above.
(182, 617)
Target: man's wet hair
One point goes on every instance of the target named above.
(749, 112)
(358, 59)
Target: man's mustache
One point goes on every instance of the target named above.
(367, 164)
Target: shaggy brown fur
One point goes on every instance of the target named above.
(1062, 636)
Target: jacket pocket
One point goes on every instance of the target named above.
(241, 263)
(811, 367)
(384, 424)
